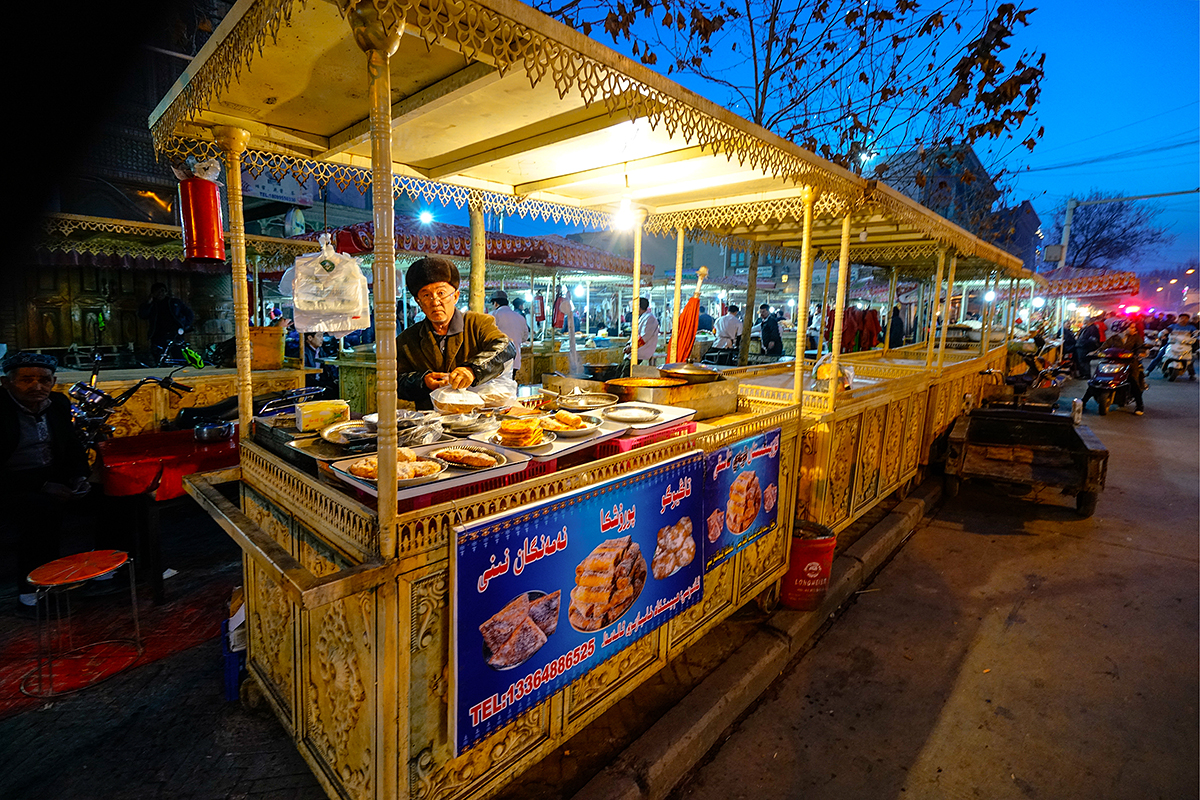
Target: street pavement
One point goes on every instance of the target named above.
(1009, 650)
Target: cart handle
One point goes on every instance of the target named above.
(300, 585)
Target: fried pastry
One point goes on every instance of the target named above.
(745, 500)
(607, 582)
(676, 548)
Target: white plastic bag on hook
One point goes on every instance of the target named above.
(329, 292)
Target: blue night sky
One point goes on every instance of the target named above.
(1121, 80)
(1121, 92)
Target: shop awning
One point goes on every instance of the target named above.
(550, 125)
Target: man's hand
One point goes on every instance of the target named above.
(436, 380)
(461, 377)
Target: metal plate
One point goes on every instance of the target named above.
(632, 414)
(548, 438)
(501, 460)
(591, 424)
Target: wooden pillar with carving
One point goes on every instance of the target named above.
(808, 196)
(946, 321)
(233, 143)
(378, 34)
(475, 300)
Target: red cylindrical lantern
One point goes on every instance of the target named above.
(200, 209)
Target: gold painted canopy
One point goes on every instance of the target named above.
(498, 106)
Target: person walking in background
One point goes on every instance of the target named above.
(1087, 343)
(728, 329)
(772, 341)
(169, 318)
(511, 322)
(895, 328)
(647, 332)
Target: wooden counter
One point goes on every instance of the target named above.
(146, 410)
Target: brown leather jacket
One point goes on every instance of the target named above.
(472, 341)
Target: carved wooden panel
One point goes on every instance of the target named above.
(317, 556)
(718, 596)
(490, 761)
(841, 469)
(914, 426)
(624, 669)
(806, 479)
(271, 637)
(428, 666)
(893, 443)
(339, 691)
(866, 479)
(274, 521)
(760, 561)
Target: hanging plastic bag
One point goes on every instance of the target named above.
(329, 292)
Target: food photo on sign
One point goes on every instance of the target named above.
(544, 593)
(740, 495)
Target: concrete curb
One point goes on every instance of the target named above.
(651, 767)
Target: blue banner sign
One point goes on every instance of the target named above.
(740, 495)
(547, 592)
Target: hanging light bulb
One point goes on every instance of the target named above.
(989, 297)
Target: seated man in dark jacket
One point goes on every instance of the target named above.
(449, 347)
(42, 461)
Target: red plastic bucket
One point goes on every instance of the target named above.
(809, 566)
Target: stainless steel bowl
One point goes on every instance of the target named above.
(209, 432)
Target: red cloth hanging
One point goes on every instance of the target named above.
(871, 330)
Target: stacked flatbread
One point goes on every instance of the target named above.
(745, 499)
(676, 548)
(606, 583)
(517, 631)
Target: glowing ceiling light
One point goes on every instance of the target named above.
(1038, 302)
(989, 297)
(425, 217)
(580, 291)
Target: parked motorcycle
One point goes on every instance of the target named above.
(1109, 383)
(92, 406)
(1179, 354)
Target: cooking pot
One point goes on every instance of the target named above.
(209, 432)
(692, 373)
(603, 372)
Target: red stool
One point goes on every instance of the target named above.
(53, 582)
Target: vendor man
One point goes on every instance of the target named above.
(42, 462)
(448, 347)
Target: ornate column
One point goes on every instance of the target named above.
(891, 303)
(808, 196)
(232, 142)
(475, 299)
(839, 311)
(672, 355)
(379, 36)
(934, 307)
(824, 308)
(639, 219)
(751, 313)
(946, 321)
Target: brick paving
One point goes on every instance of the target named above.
(164, 729)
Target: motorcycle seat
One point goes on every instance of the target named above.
(221, 410)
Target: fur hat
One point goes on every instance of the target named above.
(430, 269)
(17, 360)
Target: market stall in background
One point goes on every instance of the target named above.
(429, 616)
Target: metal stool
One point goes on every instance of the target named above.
(53, 583)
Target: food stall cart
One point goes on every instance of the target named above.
(412, 639)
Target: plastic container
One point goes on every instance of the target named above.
(809, 565)
(266, 348)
